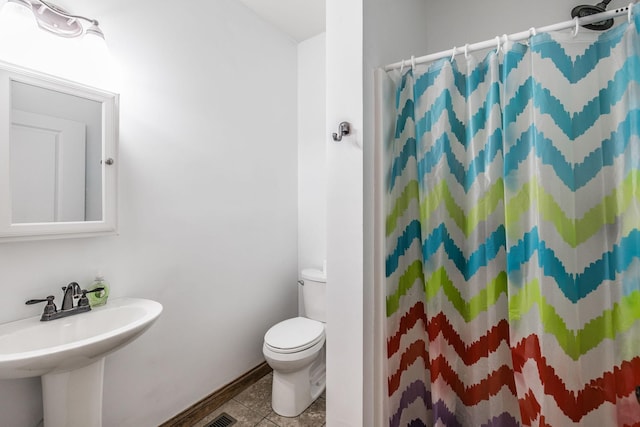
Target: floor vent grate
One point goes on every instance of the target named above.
(223, 420)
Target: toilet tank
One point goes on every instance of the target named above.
(314, 294)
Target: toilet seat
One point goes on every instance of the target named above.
(294, 335)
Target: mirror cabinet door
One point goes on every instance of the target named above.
(58, 149)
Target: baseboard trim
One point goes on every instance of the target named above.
(201, 409)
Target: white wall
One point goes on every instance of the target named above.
(208, 207)
(344, 215)
(312, 163)
(456, 22)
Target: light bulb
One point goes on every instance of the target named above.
(17, 17)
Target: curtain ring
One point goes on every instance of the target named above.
(453, 53)
(577, 28)
(630, 12)
(497, 45)
(466, 51)
(413, 63)
(532, 31)
(401, 67)
(505, 45)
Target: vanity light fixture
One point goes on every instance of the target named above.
(56, 20)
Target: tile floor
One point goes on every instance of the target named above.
(252, 407)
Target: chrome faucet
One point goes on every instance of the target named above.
(71, 291)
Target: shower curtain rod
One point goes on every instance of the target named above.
(523, 35)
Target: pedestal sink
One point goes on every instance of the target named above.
(69, 355)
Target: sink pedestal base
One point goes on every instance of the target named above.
(74, 398)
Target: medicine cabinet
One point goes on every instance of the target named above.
(58, 157)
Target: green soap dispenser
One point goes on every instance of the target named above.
(99, 298)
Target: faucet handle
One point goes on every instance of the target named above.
(49, 308)
(84, 301)
(48, 300)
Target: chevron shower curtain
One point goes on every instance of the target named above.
(513, 236)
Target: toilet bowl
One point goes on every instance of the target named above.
(295, 350)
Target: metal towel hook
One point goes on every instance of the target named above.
(344, 128)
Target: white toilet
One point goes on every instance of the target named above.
(294, 348)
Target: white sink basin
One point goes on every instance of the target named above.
(31, 348)
(69, 355)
